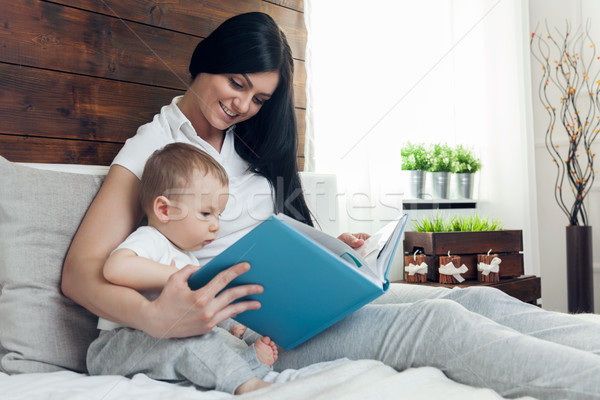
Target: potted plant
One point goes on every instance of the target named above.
(415, 161)
(466, 165)
(465, 236)
(442, 164)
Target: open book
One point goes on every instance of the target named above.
(311, 280)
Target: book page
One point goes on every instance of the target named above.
(336, 246)
(371, 250)
(372, 259)
(384, 258)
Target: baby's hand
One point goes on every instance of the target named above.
(238, 330)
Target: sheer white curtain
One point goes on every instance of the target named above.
(381, 73)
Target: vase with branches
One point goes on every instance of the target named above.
(569, 90)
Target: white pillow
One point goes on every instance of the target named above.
(40, 212)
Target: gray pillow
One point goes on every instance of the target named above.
(40, 211)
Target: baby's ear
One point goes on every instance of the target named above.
(161, 209)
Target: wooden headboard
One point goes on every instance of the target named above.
(78, 77)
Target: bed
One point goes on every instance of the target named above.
(77, 77)
(44, 336)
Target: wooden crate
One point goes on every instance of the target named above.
(508, 244)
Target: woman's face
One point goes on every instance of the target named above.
(227, 99)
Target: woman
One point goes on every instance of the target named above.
(242, 76)
(254, 66)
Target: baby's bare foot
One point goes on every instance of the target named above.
(266, 351)
(252, 384)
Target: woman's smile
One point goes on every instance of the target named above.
(227, 111)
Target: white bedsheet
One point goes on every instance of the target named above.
(341, 379)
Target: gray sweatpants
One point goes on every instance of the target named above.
(217, 360)
(478, 336)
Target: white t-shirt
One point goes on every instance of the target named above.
(250, 195)
(149, 243)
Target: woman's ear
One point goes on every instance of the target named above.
(161, 209)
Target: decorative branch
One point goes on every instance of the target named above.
(571, 76)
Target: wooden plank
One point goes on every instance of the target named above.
(299, 84)
(58, 105)
(301, 122)
(52, 36)
(53, 104)
(65, 151)
(200, 17)
(297, 5)
(300, 163)
(440, 243)
(52, 150)
(525, 288)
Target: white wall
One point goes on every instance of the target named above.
(552, 221)
(436, 71)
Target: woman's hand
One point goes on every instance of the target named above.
(182, 312)
(354, 240)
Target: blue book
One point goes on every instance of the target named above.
(311, 280)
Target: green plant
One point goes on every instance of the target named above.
(432, 224)
(474, 223)
(415, 157)
(466, 161)
(439, 158)
(442, 158)
(457, 223)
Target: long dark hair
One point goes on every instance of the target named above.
(250, 43)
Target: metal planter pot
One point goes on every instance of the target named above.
(440, 185)
(414, 184)
(465, 184)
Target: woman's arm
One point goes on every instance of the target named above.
(112, 216)
(124, 267)
(178, 311)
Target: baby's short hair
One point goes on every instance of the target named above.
(173, 167)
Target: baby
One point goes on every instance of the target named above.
(183, 192)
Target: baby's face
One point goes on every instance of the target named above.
(195, 214)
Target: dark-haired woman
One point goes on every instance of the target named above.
(239, 109)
